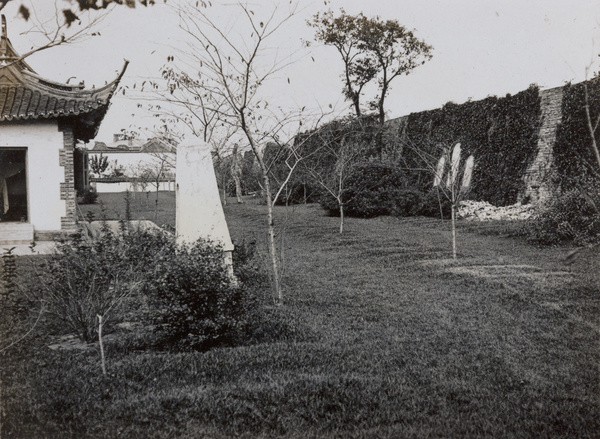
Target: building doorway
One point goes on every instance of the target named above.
(13, 185)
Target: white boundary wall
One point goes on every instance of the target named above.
(124, 186)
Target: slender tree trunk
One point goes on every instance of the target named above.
(269, 199)
(156, 203)
(238, 189)
(272, 243)
(100, 341)
(356, 106)
(453, 213)
(382, 116)
(440, 203)
(236, 172)
(355, 95)
(224, 187)
(381, 102)
(341, 218)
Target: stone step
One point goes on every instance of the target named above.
(15, 233)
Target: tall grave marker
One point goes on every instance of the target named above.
(199, 213)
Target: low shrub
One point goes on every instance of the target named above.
(297, 194)
(196, 303)
(371, 190)
(407, 202)
(187, 292)
(376, 189)
(89, 196)
(86, 278)
(435, 205)
(572, 216)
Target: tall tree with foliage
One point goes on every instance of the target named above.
(343, 33)
(397, 51)
(371, 49)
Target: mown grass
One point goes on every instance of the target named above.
(393, 339)
(111, 206)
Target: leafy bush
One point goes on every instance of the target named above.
(571, 216)
(432, 204)
(194, 299)
(371, 190)
(85, 279)
(190, 295)
(376, 189)
(407, 202)
(89, 196)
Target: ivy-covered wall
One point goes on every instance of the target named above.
(525, 145)
(501, 133)
(574, 159)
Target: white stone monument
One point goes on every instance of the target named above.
(199, 213)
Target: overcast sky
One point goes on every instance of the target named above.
(481, 48)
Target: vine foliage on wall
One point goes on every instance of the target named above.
(501, 133)
(574, 160)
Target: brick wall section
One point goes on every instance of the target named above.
(537, 178)
(67, 189)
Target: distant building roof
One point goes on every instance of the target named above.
(158, 145)
(125, 145)
(154, 145)
(24, 95)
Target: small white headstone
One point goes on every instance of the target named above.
(199, 213)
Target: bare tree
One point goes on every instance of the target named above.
(236, 171)
(225, 148)
(157, 171)
(341, 146)
(449, 166)
(229, 70)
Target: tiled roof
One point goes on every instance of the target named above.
(24, 95)
(33, 99)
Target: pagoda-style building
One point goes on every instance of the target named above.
(40, 167)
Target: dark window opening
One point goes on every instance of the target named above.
(13, 185)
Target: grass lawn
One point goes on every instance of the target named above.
(142, 206)
(393, 339)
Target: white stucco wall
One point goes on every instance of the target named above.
(132, 161)
(126, 186)
(44, 174)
